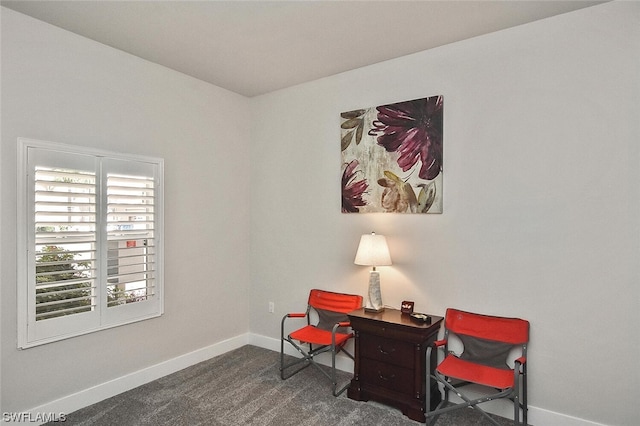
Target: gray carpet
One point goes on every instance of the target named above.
(243, 387)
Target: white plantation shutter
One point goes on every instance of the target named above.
(65, 242)
(130, 236)
(92, 241)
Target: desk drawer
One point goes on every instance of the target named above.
(387, 350)
(386, 376)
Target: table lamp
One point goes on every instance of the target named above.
(373, 251)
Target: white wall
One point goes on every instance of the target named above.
(61, 87)
(541, 199)
(541, 209)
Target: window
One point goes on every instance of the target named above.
(90, 240)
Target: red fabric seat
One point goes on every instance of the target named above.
(312, 334)
(460, 369)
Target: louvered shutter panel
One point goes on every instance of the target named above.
(65, 242)
(131, 254)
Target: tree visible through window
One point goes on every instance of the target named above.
(62, 283)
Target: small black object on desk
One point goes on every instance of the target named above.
(421, 317)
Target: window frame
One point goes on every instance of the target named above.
(34, 333)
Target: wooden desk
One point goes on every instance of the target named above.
(389, 366)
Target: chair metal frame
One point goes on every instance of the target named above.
(512, 331)
(318, 339)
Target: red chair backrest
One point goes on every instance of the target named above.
(336, 302)
(500, 329)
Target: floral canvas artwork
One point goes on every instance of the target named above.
(392, 157)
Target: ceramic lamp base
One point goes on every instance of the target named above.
(374, 302)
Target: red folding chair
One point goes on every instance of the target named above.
(329, 335)
(488, 341)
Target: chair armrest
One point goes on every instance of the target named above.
(439, 343)
(519, 368)
(335, 329)
(290, 315)
(340, 324)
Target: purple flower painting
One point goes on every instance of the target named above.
(352, 189)
(392, 158)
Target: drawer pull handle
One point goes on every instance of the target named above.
(386, 379)
(382, 351)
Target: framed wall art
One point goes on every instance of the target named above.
(392, 157)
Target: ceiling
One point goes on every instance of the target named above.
(255, 47)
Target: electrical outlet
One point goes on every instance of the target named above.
(272, 307)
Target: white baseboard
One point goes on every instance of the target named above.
(542, 417)
(76, 401)
(536, 416)
(86, 397)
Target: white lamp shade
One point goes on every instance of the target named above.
(373, 251)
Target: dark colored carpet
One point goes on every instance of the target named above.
(243, 387)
